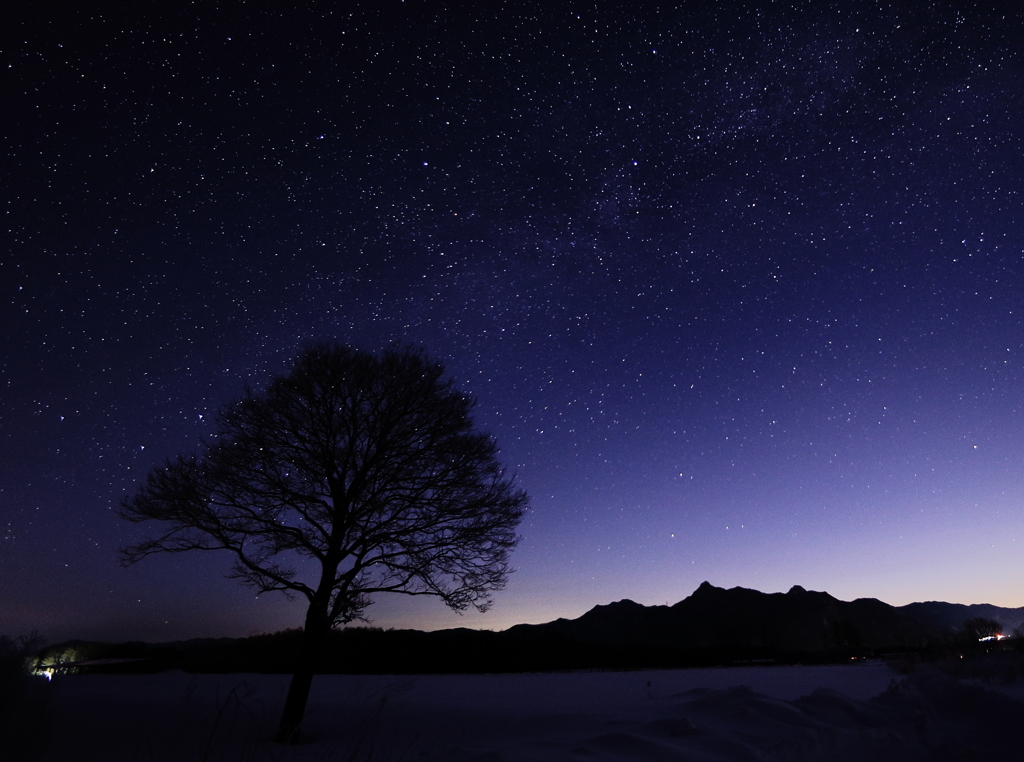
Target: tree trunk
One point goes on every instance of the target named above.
(313, 637)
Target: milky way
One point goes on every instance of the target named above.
(739, 287)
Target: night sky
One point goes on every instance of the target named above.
(738, 286)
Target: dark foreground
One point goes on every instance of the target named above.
(863, 711)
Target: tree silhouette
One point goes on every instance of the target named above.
(843, 636)
(980, 628)
(368, 466)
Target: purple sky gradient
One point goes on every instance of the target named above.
(739, 287)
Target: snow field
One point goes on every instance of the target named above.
(751, 713)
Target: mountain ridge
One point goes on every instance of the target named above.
(936, 617)
(714, 617)
(711, 626)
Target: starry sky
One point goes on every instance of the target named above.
(738, 286)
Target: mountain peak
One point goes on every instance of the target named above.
(615, 608)
(707, 587)
(625, 603)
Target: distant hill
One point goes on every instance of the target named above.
(946, 617)
(711, 626)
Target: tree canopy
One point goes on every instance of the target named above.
(354, 474)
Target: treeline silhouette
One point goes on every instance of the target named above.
(369, 650)
(711, 627)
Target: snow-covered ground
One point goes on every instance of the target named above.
(757, 713)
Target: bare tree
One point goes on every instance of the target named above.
(368, 466)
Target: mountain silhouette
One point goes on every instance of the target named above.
(713, 617)
(937, 616)
(711, 626)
